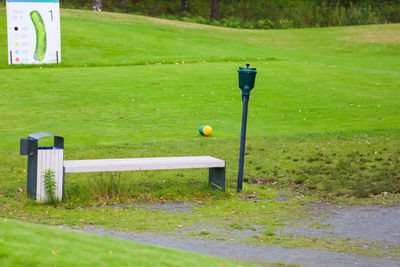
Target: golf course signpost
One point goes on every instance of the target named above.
(247, 77)
(33, 30)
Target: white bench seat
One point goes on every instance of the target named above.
(216, 166)
(141, 164)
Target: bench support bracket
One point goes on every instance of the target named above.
(216, 178)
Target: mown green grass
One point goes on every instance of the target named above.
(323, 118)
(151, 103)
(120, 39)
(23, 244)
(320, 80)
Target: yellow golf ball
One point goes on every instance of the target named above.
(206, 130)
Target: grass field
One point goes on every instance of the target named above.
(323, 118)
(309, 80)
(23, 244)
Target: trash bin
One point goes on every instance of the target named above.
(41, 159)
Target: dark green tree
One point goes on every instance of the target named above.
(214, 10)
(185, 5)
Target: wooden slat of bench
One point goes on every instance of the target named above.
(137, 164)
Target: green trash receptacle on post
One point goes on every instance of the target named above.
(247, 78)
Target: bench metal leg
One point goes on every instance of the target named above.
(216, 178)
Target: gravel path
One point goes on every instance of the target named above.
(371, 223)
(304, 257)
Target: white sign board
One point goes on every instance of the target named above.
(33, 29)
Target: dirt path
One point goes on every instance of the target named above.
(304, 257)
(368, 223)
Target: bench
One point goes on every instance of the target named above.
(216, 166)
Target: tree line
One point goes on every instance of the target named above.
(256, 14)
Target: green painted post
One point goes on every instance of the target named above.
(247, 77)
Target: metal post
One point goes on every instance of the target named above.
(245, 99)
(247, 77)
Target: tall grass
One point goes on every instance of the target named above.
(325, 164)
(328, 165)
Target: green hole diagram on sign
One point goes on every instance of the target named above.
(41, 40)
